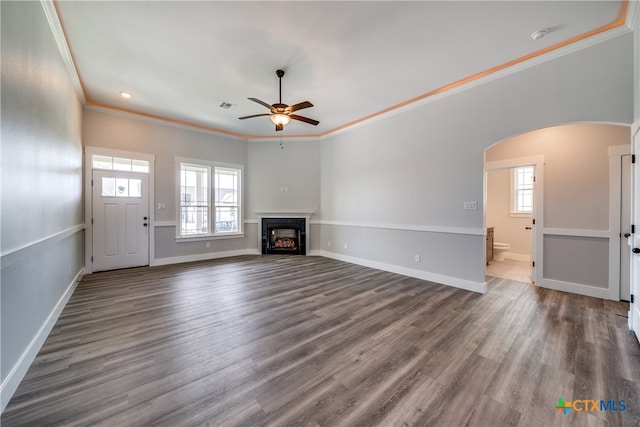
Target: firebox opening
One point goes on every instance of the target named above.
(283, 236)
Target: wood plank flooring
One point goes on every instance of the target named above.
(294, 340)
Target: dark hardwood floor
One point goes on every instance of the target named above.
(277, 340)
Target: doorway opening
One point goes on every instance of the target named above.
(512, 196)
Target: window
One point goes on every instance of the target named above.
(227, 182)
(522, 179)
(121, 187)
(119, 164)
(198, 215)
(194, 199)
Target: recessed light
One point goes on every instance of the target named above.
(125, 95)
(537, 35)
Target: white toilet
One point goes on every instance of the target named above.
(499, 249)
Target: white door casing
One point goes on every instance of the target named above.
(625, 227)
(120, 221)
(532, 274)
(538, 206)
(634, 308)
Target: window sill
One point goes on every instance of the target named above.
(205, 237)
(520, 214)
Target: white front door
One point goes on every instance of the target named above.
(634, 311)
(120, 210)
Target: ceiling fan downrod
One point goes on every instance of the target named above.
(280, 74)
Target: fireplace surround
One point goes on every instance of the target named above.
(284, 236)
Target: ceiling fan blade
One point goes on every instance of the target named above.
(255, 115)
(262, 103)
(300, 106)
(279, 127)
(304, 119)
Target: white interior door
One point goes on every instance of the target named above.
(634, 311)
(625, 227)
(120, 208)
(532, 275)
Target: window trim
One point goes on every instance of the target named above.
(211, 235)
(513, 211)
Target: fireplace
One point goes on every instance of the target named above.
(284, 236)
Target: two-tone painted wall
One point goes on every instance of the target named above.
(42, 225)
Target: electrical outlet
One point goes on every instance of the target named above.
(346, 246)
(470, 205)
(416, 258)
(329, 243)
(208, 244)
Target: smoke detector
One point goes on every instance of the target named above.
(537, 35)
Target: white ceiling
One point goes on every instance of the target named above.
(181, 59)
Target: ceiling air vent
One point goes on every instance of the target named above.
(226, 105)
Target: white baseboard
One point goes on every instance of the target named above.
(574, 288)
(517, 257)
(456, 282)
(19, 370)
(203, 257)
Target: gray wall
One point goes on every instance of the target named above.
(42, 234)
(416, 169)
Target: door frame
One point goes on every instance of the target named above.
(538, 204)
(88, 198)
(634, 312)
(616, 152)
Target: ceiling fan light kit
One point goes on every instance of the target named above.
(280, 119)
(280, 113)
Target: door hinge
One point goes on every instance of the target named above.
(91, 221)
(631, 298)
(633, 158)
(534, 179)
(92, 183)
(534, 263)
(633, 229)
(533, 222)
(91, 258)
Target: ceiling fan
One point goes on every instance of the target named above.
(281, 113)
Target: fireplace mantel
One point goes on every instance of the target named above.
(285, 214)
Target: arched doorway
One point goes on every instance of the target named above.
(572, 236)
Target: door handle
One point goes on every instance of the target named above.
(635, 250)
(527, 228)
(627, 234)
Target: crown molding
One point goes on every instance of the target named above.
(632, 20)
(61, 41)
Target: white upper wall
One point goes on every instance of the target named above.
(283, 177)
(41, 121)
